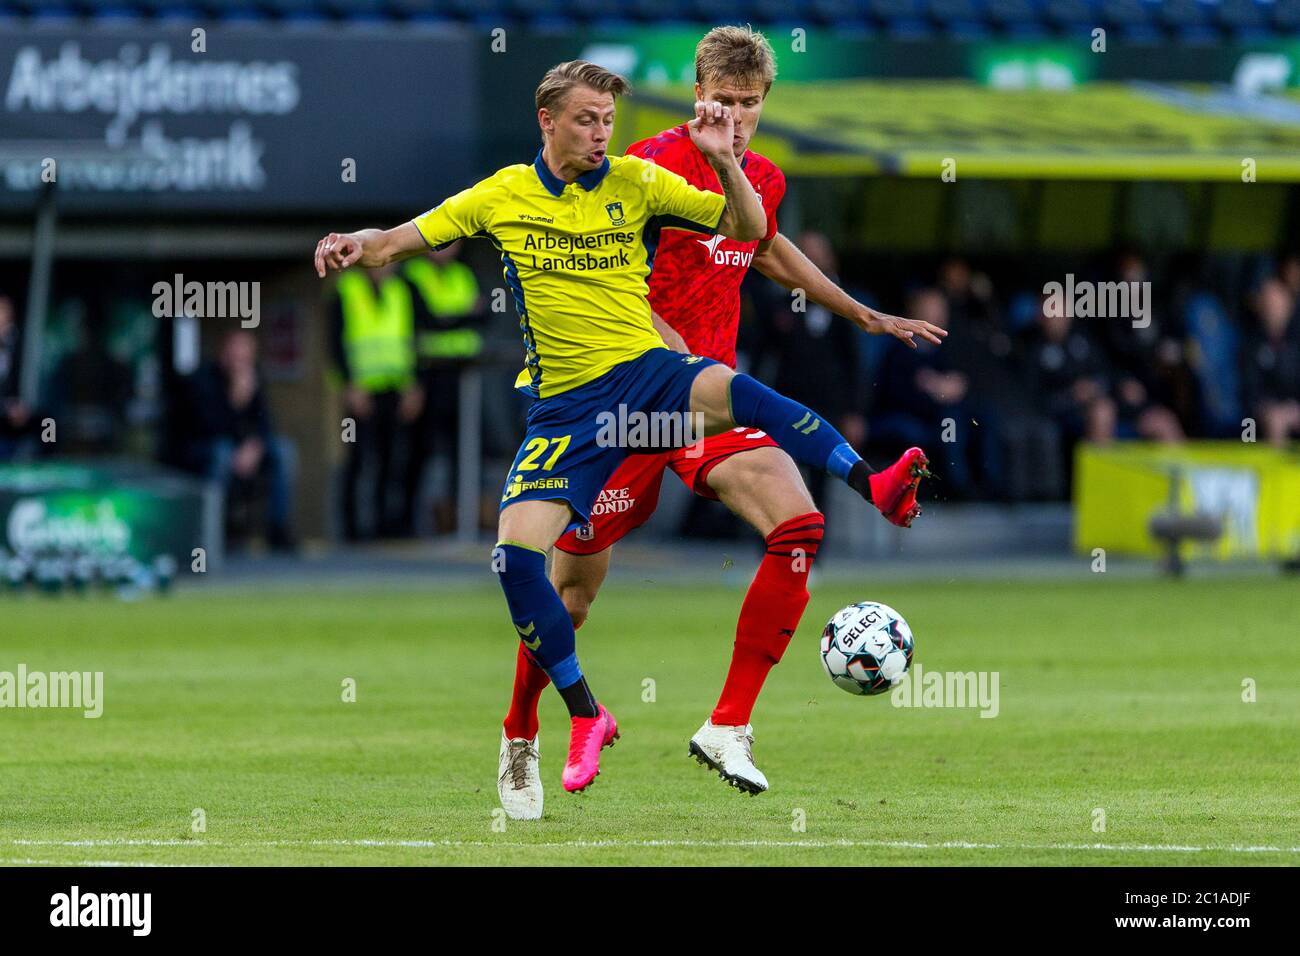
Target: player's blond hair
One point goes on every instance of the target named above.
(563, 77)
(740, 55)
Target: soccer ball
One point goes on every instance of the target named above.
(866, 648)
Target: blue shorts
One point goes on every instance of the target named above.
(576, 439)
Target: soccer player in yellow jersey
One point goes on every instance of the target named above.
(577, 232)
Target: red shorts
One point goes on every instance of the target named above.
(631, 495)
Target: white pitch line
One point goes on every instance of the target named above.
(27, 861)
(122, 841)
(652, 844)
(808, 844)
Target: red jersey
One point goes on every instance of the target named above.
(694, 280)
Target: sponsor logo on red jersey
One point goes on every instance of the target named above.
(613, 501)
(726, 257)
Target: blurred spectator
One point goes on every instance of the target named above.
(17, 422)
(374, 349)
(1151, 377)
(232, 440)
(810, 355)
(448, 310)
(90, 390)
(969, 294)
(1211, 342)
(1068, 378)
(1018, 448)
(922, 399)
(1271, 373)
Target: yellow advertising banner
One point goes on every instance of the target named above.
(1254, 490)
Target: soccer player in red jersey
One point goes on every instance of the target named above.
(695, 295)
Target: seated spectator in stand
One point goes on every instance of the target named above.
(921, 399)
(1271, 364)
(1151, 377)
(809, 351)
(1068, 377)
(1210, 346)
(18, 424)
(969, 294)
(1141, 417)
(1018, 447)
(232, 439)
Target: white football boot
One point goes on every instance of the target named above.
(729, 750)
(518, 781)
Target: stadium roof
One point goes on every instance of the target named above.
(1113, 131)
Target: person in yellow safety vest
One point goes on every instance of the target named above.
(449, 307)
(374, 351)
(449, 293)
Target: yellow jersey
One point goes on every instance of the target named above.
(577, 257)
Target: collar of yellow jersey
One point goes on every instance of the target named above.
(555, 185)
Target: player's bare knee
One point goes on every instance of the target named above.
(791, 494)
(710, 397)
(763, 486)
(753, 469)
(577, 601)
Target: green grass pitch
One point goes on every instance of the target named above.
(1117, 697)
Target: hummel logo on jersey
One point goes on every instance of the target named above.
(816, 423)
(536, 642)
(725, 257)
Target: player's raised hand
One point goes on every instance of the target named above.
(337, 251)
(712, 129)
(905, 330)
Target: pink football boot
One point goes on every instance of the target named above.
(586, 736)
(894, 489)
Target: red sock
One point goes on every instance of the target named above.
(530, 681)
(770, 614)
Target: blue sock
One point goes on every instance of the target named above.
(803, 434)
(541, 620)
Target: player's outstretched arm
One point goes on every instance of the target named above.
(712, 129)
(368, 248)
(785, 264)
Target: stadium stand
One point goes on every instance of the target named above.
(1193, 22)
